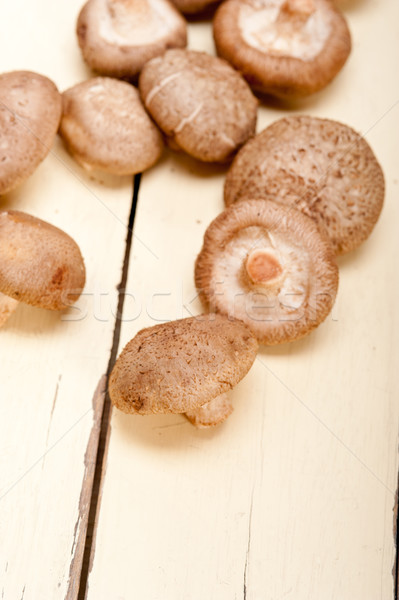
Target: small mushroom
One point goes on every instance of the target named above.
(117, 37)
(322, 167)
(200, 102)
(105, 126)
(183, 366)
(287, 48)
(7, 307)
(39, 264)
(30, 112)
(267, 265)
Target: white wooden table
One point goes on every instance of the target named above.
(294, 496)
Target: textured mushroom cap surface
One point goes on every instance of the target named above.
(117, 37)
(267, 265)
(200, 102)
(212, 413)
(322, 167)
(7, 307)
(105, 126)
(30, 112)
(286, 48)
(179, 366)
(39, 264)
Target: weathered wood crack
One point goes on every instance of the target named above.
(99, 471)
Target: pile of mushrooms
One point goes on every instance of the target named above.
(297, 194)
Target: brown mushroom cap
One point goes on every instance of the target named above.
(7, 307)
(200, 102)
(286, 48)
(117, 37)
(30, 112)
(212, 413)
(39, 264)
(267, 265)
(105, 126)
(322, 167)
(181, 365)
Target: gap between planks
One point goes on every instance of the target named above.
(90, 496)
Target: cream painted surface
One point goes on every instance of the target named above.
(51, 362)
(292, 497)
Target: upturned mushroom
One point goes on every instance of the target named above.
(117, 37)
(267, 265)
(287, 48)
(105, 126)
(183, 366)
(30, 112)
(39, 263)
(200, 102)
(322, 167)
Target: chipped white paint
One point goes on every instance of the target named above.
(292, 497)
(51, 362)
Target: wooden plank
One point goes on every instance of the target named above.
(51, 363)
(293, 497)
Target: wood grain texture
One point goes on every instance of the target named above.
(293, 497)
(51, 362)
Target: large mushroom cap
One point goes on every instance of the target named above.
(105, 126)
(200, 102)
(322, 167)
(181, 365)
(287, 48)
(39, 264)
(267, 265)
(117, 37)
(30, 112)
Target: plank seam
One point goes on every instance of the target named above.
(105, 428)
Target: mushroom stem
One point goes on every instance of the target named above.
(299, 9)
(7, 307)
(263, 267)
(120, 9)
(212, 413)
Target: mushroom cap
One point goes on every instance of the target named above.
(200, 102)
(105, 126)
(39, 264)
(7, 307)
(280, 305)
(322, 167)
(212, 413)
(117, 37)
(30, 112)
(287, 48)
(181, 365)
